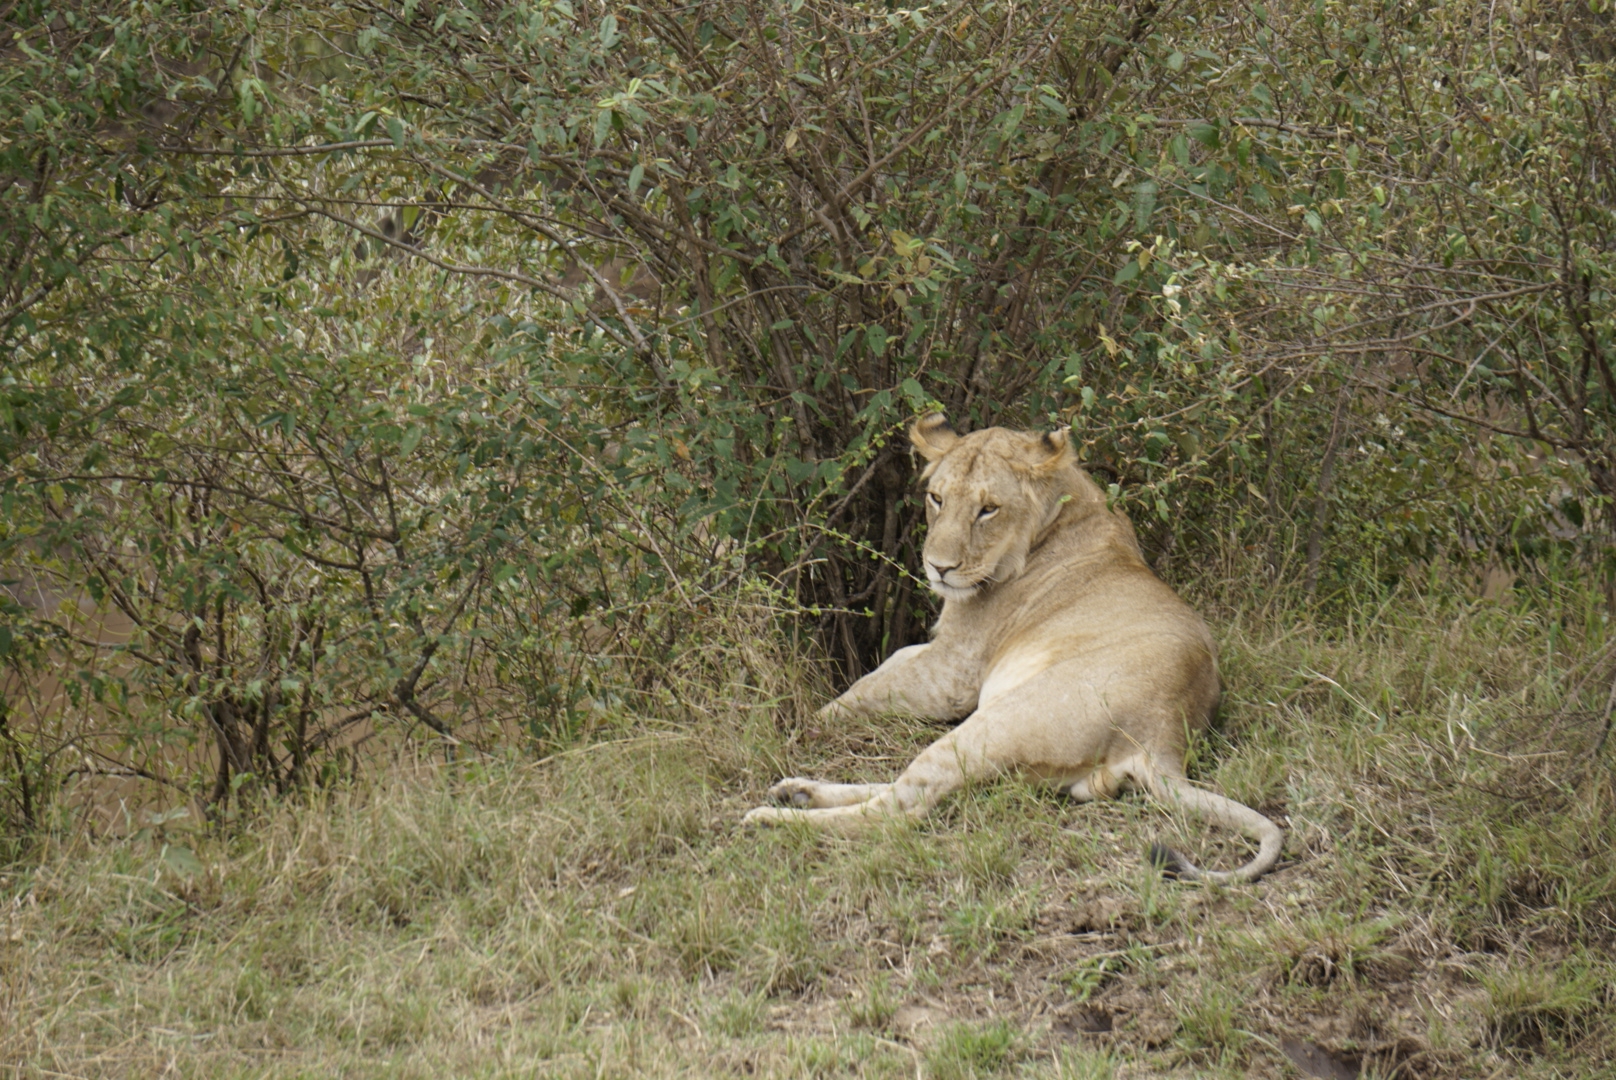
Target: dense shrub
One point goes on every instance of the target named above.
(429, 365)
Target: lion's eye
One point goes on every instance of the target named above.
(987, 512)
(936, 503)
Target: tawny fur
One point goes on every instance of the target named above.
(1069, 660)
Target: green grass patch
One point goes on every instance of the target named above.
(1444, 908)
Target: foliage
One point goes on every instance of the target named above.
(430, 366)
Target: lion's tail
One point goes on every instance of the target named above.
(1178, 793)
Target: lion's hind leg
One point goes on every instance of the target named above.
(1099, 784)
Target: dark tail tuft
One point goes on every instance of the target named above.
(1169, 862)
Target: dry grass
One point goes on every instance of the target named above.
(1447, 906)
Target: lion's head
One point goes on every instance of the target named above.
(988, 497)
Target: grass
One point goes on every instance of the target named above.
(1446, 906)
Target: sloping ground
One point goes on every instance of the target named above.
(1446, 908)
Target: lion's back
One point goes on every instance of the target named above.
(1088, 603)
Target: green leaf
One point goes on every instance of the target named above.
(182, 860)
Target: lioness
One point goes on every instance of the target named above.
(1073, 663)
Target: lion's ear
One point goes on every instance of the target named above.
(1054, 451)
(932, 436)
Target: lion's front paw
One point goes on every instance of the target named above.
(762, 815)
(794, 791)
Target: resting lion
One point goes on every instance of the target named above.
(1071, 662)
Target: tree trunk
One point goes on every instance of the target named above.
(1321, 500)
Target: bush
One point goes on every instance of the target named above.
(432, 368)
